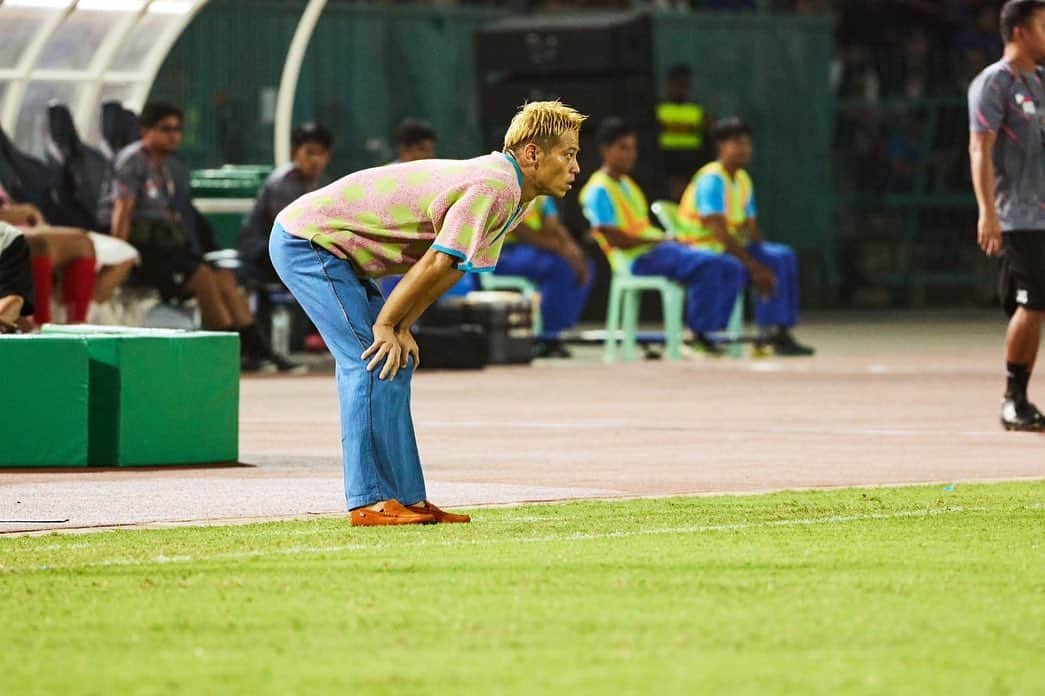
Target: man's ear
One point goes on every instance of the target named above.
(530, 152)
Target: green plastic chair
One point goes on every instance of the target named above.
(667, 212)
(491, 281)
(622, 315)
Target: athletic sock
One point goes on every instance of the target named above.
(43, 273)
(1016, 383)
(78, 289)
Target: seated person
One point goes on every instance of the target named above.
(137, 203)
(16, 281)
(617, 210)
(415, 140)
(88, 266)
(717, 214)
(542, 250)
(309, 156)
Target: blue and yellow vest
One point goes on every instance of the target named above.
(629, 208)
(739, 190)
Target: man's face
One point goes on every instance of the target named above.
(679, 89)
(311, 159)
(423, 149)
(1032, 36)
(620, 155)
(556, 167)
(164, 137)
(736, 151)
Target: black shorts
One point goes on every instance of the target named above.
(16, 274)
(1022, 279)
(167, 261)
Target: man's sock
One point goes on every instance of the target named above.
(1016, 382)
(78, 289)
(43, 273)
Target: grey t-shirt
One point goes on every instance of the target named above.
(149, 184)
(1005, 101)
(283, 186)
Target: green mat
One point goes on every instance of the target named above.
(43, 401)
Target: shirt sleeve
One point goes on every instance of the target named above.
(548, 208)
(751, 210)
(711, 195)
(599, 209)
(987, 96)
(128, 180)
(471, 229)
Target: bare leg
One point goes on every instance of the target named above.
(235, 301)
(204, 286)
(1023, 337)
(62, 244)
(11, 308)
(109, 278)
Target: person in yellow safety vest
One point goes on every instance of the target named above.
(683, 130)
(717, 213)
(617, 211)
(541, 249)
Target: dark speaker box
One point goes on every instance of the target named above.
(578, 45)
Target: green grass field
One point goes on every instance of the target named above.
(906, 590)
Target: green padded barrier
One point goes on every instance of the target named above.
(43, 401)
(162, 397)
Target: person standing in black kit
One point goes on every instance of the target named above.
(1007, 154)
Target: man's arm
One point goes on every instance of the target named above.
(422, 285)
(761, 276)
(621, 239)
(753, 231)
(988, 229)
(122, 209)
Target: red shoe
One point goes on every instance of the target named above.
(441, 516)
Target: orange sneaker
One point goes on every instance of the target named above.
(441, 516)
(389, 512)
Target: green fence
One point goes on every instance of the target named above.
(367, 67)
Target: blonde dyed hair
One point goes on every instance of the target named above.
(544, 122)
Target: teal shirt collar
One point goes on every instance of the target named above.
(518, 172)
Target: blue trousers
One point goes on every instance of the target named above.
(378, 445)
(782, 308)
(562, 300)
(712, 281)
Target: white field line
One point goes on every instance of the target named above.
(622, 426)
(691, 529)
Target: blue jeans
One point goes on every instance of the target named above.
(782, 308)
(379, 448)
(712, 281)
(562, 300)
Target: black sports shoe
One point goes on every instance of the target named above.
(785, 345)
(252, 363)
(285, 366)
(551, 349)
(703, 344)
(1021, 415)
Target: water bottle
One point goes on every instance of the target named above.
(281, 329)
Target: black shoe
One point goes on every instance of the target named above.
(1021, 415)
(785, 345)
(650, 351)
(703, 344)
(551, 349)
(252, 363)
(284, 365)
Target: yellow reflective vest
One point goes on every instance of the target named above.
(681, 126)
